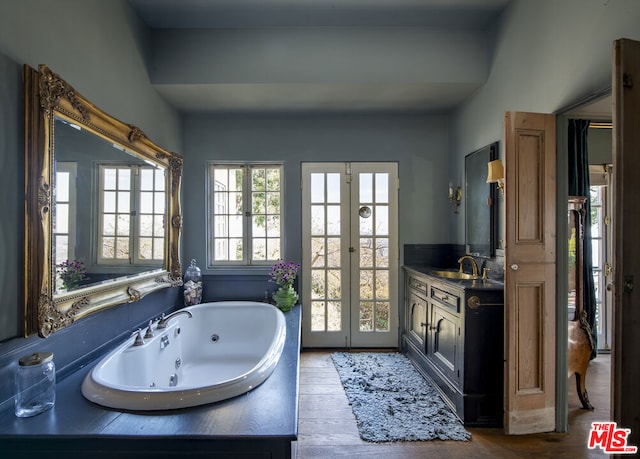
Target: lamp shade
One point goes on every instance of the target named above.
(495, 171)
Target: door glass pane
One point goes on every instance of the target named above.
(366, 284)
(366, 316)
(317, 220)
(326, 308)
(382, 188)
(366, 252)
(366, 188)
(318, 284)
(382, 284)
(318, 252)
(318, 316)
(334, 315)
(382, 252)
(382, 220)
(317, 188)
(366, 225)
(333, 220)
(382, 316)
(333, 252)
(333, 188)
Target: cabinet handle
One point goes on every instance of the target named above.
(474, 303)
(423, 324)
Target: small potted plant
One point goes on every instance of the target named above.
(284, 273)
(71, 273)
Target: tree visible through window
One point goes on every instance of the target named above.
(245, 213)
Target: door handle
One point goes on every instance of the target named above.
(514, 267)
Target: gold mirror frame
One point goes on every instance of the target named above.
(47, 95)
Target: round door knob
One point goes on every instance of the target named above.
(609, 287)
(514, 267)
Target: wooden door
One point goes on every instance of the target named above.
(625, 407)
(530, 273)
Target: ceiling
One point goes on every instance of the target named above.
(309, 13)
(226, 20)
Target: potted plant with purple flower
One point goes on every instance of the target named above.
(284, 274)
(71, 273)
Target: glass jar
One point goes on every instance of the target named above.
(192, 284)
(35, 384)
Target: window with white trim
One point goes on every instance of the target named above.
(132, 206)
(245, 214)
(64, 221)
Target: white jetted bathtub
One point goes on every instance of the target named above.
(209, 352)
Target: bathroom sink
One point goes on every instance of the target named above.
(454, 275)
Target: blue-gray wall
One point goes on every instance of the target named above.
(543, 55)
(418, 143)
(100, 48)
(548, 54)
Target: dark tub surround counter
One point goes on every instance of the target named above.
(260, 423)
(453, 332)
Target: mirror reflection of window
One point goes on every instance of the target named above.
(131, 214)
(64, 221)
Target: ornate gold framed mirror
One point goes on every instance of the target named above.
(102, 208)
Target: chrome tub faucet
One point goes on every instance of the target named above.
(162, 323)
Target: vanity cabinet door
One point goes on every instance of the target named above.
(444, 349)
(417, 313)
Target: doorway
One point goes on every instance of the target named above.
(350, 255)
(596, 109)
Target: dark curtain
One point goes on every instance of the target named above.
(579, 186)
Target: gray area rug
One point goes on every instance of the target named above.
(392, 401)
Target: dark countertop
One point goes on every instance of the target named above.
(475, 284)
(264, 419)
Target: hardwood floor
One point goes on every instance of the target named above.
(327, 428)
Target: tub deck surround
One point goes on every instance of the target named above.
(260, 423)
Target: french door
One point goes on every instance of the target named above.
(350, 255)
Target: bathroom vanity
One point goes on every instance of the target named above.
(453, 332)
(260, 423)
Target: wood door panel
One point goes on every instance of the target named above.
(625, 407)
(533, 299)
(530, 274)
(531, 181)
(528, 156)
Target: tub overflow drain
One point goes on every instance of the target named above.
(214, 338)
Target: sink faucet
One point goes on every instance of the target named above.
(474, 265)
(162, 323)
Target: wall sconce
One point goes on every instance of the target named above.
(455, 196)
(495, 174)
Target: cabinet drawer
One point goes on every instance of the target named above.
(451, 300)
(420, 286)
